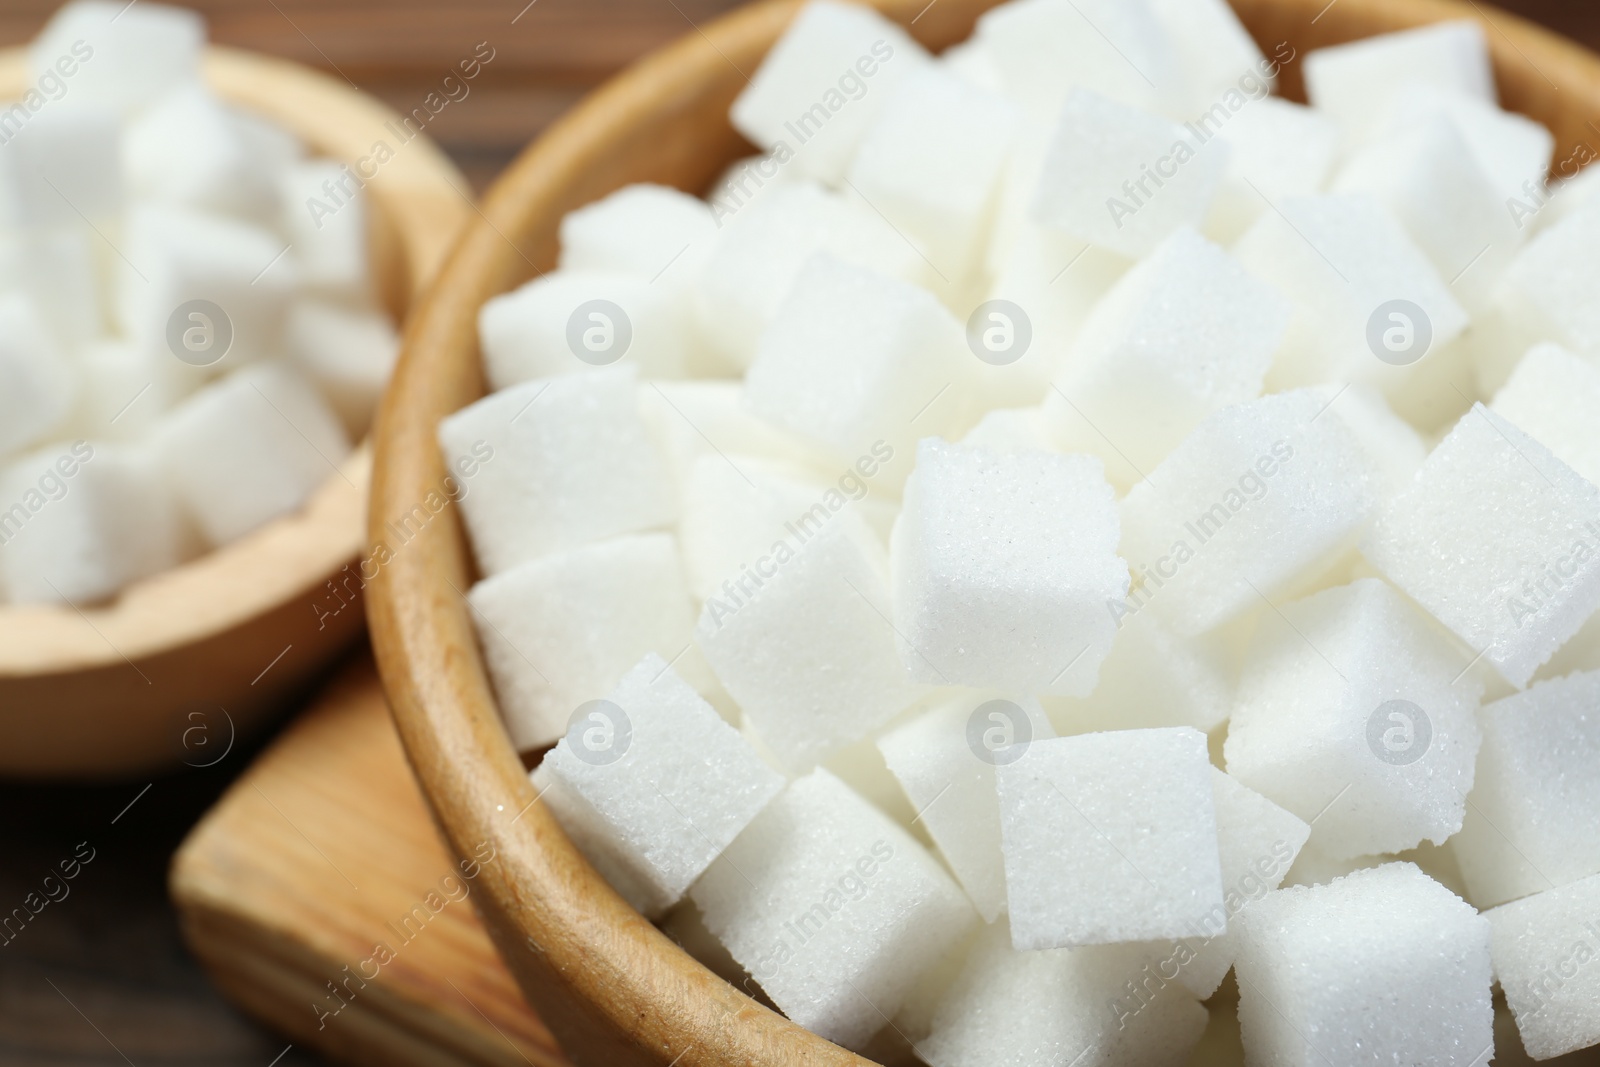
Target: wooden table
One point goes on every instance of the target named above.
(101, 978)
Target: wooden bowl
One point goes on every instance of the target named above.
(169, 670)
(614, 989)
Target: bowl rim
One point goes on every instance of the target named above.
(613, 988)
(418, 200)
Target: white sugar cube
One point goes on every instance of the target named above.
(1044, 49)
(114, 54)
(250, 448)
(932, 162)
(568, 321)
(1355, 82)
(348, 352)
(670, 784)
(1216, 54)
(1543, 950)
(658, 234)
(37, 387)
(323, 212)
(1458, 542)
(1394, 449)
(60, 271)
(1553, 395)
(1381, 966)
(1530, 823)
(1277, 150)
(1002, 566)
(1426, 175)
(762, 247)
(1015, 1008)
(945, 760)
(855, 360)
(123, 391)
(833, 908)
(1550, 292)
(1110, 837)
(741, 514)
(84, 520)
(1349, 268)
(1185, 332)
(176, 257)
(189, 149)
(1256, 495)
(971, 61)
(808, 652)
(1353, 710)
(1512, 150)
(65, 165)
(1011, 430)
(819, 88)
(694, 418)
(1122, 179)
(1155, 677)
(568, 461)
(562, 629)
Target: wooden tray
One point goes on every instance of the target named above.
(319, 853)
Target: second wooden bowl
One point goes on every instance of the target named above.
(170, 670)
(614, 989)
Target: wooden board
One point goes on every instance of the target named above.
(318, 854)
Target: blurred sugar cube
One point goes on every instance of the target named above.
(116, 54)
(1355, 82)
(37, 386)
(348, 352)
(1543, 946)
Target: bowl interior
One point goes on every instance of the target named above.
(613, 988)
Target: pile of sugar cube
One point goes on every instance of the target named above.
(190, 336)
(1063, 524)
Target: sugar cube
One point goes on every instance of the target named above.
(1553, 395)
(1369, 305)
(808, 650)
(324, 215)
(1355, 712)
(1011, 430)
(832, 908)
(65, 165)
(1355, 82)
(567, 460)
(1549, 292)
(1457, 542)
(1530, 819)
(1543, 947)
(1394, 449)
(669, 782)
(348, 352)
(861, 364)
(931, 163)
(249, 448)
(36, 384)
(1122, 179)
(84, 520)
(568, 321)
(1002, 564)
(658, 234)
(1512, 150)
(1258, 493)
(945, 760)
(1382, 966)
(1185, 332)
(1109, 837)
(1277, 150)
(1044, 49)
(762, 248)
(698, 417)
(178, 261)
(1216, 55)
(123, 391)
(1155, 677)
(562, 629)
(114, 54)
(1427, 176)
(188, 148)
(59, 270)
(1014, 1007)
(819, 88)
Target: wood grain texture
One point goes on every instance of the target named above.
(319, 854)
(615, 990)
(101, 691)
